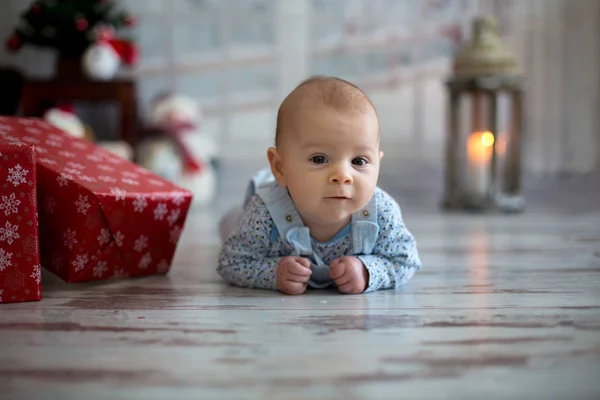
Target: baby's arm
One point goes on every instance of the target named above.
(245, 258)
(395, 258)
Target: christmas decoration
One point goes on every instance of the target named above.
(100, 217)
(102, 59)
(66, 25)
(176, 148)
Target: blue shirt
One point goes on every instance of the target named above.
(250, 255)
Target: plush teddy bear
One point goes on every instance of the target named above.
(174, 146)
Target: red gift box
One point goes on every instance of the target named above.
(101, 216)
(20, 275)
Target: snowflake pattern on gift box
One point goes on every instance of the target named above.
(80, 262)
(17, 175)
(10, 204)
(160, 211)
(5, 259)
(132, 175)
(41, 150)
(99, 269)
(178, 198)
(86, 178)
(95, 158)
(140, 243)
(104, 237)
(63, 179)
(49, 205)
(174, 216)
(9, 233)
(119, 237)
(175, 234)
(67, 154)
(53, 143)
(118, 193)
(139, 203)
(82, 204)
(145, 261)
(129, 181)
(106, 168)
(48, 161)
(36, 274)
(31, 140)
(75, 165)
(70, 239)
(71, 171)
(162, 267)
(107, 179)
(0, 289)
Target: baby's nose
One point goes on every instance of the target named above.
(340, 175)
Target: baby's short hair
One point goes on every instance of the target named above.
(322, 92)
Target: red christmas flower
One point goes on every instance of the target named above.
(14, 43)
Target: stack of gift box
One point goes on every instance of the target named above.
(79, 211)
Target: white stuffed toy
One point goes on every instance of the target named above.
(176, 148)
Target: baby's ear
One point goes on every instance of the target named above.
(275, 163)
(380, 155)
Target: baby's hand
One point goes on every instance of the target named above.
(349, 274)
(292, 274)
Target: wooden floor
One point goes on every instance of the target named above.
(504, 308)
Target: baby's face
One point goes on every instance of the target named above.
(330, 164)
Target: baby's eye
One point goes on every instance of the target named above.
(360, 161)
(319, 159)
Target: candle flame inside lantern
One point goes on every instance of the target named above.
(487, 138)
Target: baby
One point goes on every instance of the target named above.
(317, 217)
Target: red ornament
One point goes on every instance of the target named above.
(129, 20)
(14, 43)
(81, 24)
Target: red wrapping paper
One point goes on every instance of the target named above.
(20, 274)
(101, 216)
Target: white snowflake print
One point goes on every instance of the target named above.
(175, 233)
(82, 204)
(104, 237)
(63, 179)
(67, 154)
(120, 273)
(48, 161)
(145, 261)
(5, 259)
(41, 150)
(69, 237)
(160, 211)
(71, 171)
(0, 289)
(79, 145)
(129, 174)
(174, 216)
(10, 204)
(118, 193)
(105, 167)
(16, 175)
(36, 274)
(178, 198)
(141, 243)
(75, 165)
(53, 143)
(162, 267)
(156, 182)
(100, 269)
(139, 203)
(31, 140)
(119, 239)
(131, 182)
(114, 160)
(49, 205)
(33, 131)
(80, 262)
(57, 261)
(54, 136)
(9, 233)
(86, 178)
(107, 179)
(94, 157)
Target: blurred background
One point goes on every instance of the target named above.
(238, 58)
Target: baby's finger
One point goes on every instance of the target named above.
(297, 269)
(342, 280)
(336, 270)
(348, 288)
(302, 261)
(294, 287)
(297, 278)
